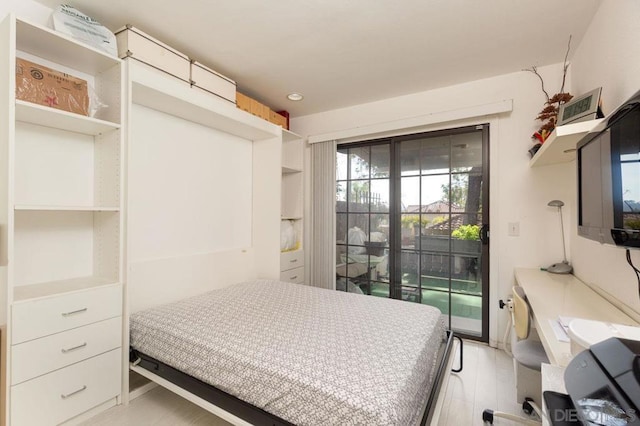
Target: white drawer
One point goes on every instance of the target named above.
(293, 275)
(42, 317)
(63, 394)
(291, 260)
(40, 356)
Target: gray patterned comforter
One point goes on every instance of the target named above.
(310, 356)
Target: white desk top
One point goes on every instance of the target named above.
(551, 295)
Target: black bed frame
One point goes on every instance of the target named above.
(258, 416)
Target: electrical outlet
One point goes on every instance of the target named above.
(514, 229)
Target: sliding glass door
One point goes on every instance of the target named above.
(412, 222)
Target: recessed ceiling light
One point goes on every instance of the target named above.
(295, 97)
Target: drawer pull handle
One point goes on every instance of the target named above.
(63, 396)
(293, 277)
(64, 351)
(293, 260)
(79, 311)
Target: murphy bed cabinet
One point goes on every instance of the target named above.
(61, 244)
(292, 261)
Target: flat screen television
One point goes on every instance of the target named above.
(608, 160)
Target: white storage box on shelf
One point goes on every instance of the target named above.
(212, 82)
(583, 333)
(133, 43)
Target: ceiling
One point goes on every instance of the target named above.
(347, 52)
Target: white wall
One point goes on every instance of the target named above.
(608, 57)
(27, 9)
(518, 193)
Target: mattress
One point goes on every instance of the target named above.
(307, 355)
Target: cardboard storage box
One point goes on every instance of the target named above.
(133, 43)
(278, 119)
(210, 81)
(243, 102)
(44, 86)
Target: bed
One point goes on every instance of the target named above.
(271, 352)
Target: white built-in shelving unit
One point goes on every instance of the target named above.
(292, 204)
(560, 146)
(61, 239)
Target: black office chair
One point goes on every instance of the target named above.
(529, 355)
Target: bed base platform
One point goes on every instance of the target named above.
(239, 412)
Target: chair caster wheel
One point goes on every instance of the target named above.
(526, 406)
(487, 416)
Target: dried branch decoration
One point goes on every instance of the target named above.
(549, 115)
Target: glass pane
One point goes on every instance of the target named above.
(341, 259)
(379, 289)
(435, 194)
(410, 194)
(411, 294)
(359, 196)
(434, 155)
(380, 195)
(341, 228)
(358, 233)
(342, 161)
(466, 192)
(359, 162)
(466, 151)
(465, 233)
(466, 274)
(341, 196)
(412, 225)
(410, 158)
(379, 226)
(435, 271)
(409, 269)
(436, 233)
(380, 161)
(437, 299)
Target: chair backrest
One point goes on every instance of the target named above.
(521, 313)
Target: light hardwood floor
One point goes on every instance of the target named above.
(487, 381)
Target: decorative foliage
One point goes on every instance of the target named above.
(549, 114)
(467, 232)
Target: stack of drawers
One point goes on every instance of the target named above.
(66, 356)
(292, 266)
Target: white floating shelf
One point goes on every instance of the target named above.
(34, 207)
(560, 146)
(54, 118)
(51, 288)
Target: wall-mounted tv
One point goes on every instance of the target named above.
(608, 160)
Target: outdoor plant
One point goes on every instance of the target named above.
(467, 232)
(410, 220)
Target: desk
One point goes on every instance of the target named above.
(551, 295)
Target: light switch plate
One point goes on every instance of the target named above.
(514, 229)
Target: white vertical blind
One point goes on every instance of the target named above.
(323, 214)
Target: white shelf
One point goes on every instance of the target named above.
(34, 291)
(59, 48)
(288, 170)
(153, 89)
(288, 136)
(560, 146)
(57, 119)
(34, 207)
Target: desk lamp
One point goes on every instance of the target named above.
(562, 267)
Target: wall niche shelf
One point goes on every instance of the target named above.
(561, 144)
